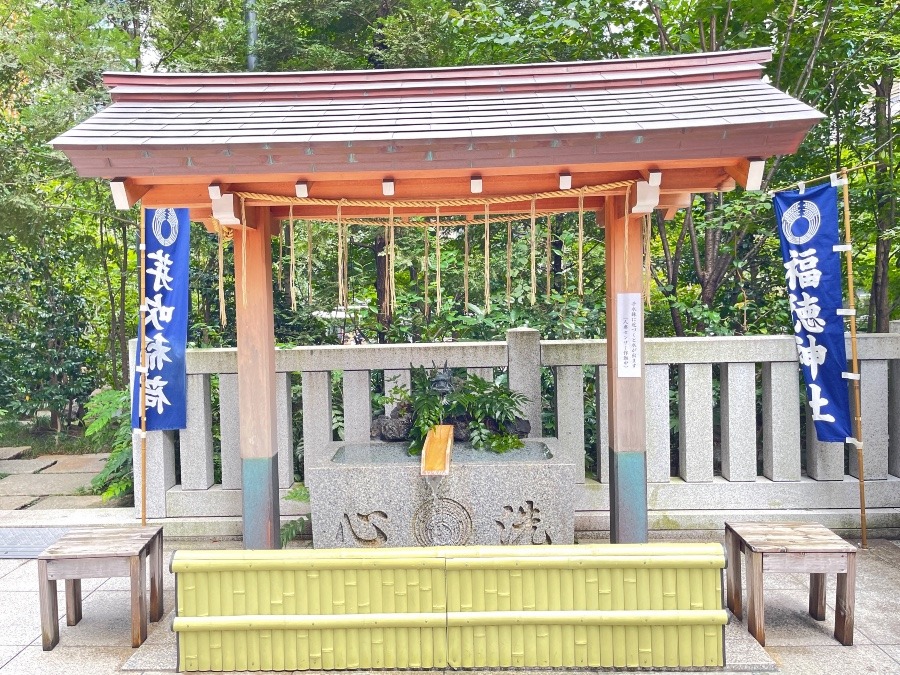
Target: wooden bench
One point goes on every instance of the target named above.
(635, 606)
(99, 553)
(791, 547)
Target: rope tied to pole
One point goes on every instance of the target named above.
(487, 259)
(533, 294)
(581, 244)
(220, 246)
(292, 282)
(437, 255)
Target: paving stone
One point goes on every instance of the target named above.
(815, 660)
(893, 651)
(105, 622)
(788, 623)
(14, 466)
(743, 652)
(20, 617)
(14, 453)
(69, 502)
(93, 463)
(7, 653)
(13, 503)
(8, 565)
(40, 484)
(69, 660)
(156, 657)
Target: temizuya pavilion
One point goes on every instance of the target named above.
(660, 127)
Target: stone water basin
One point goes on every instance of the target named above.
(372, 494)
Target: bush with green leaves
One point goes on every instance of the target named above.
(489, 410)
(109, 424)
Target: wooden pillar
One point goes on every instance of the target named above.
(625, 374)
(256, 380)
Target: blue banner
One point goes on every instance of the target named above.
(808, 229)
(165, 281)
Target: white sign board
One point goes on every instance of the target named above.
(629, 331)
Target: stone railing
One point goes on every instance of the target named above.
(738, 455)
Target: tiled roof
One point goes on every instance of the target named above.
(253, 113)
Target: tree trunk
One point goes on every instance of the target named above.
(382, 291)
(879, 303)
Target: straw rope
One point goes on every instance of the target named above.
(220, 236)
(533, 294)
(281, 252)
(466, 267)
(647, 258)
(548, 270)
(508, 263)
(487, 259)
(425, 271)
(581, 245)
(244, 254)
(446, 221)
(432, 203)
(437, 255)
(293, 265)
(627, 223)
(309, 265)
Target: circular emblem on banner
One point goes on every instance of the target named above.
(161, 218)
(794, 217)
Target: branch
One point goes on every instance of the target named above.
(689, 221)
(100, 214)
(814, 53)
(784, 45)
(664, 40)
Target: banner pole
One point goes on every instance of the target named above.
(143, 331)
(854, 361)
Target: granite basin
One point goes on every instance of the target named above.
(372, 494)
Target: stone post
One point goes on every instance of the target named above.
(894, 411)
(524, 362)
(196, 439)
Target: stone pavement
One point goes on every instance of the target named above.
(48, 481)
(100, 643)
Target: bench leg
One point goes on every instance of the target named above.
(846, 598)
(73, 601)
(817, 596)
(156, 578)
(138, 569)
(733, 573)
(755, 610)
(49, 608)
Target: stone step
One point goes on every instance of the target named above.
(14, 452)
(16, 466)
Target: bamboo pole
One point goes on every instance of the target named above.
(143, 369)
(854, 361)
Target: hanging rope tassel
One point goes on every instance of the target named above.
(548, 272)
(581, 244)
(309, 262)
(487, 259)
(437, 255)
(647, 259)
(392, 296)
(465, 268)
(345, 263)
(244, 254)
(223, 316)
(533, 294)
(340, 260)
(292, 281)
(425, 270)
(509, 263)
(281, 252)
(625, 252)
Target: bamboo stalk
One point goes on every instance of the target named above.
(143, 328)
(854, 361)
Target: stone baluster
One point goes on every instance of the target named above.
(524, 362)
(570, 415)
(601, 400)
(781, 421)
(824, 461)
(357, 406)
(695, 422)
(230, 431)
(738, 415)
(285, 428)
(656, 404)
(894, 411)
(317, 430)
(873, 385)
(196, 441)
